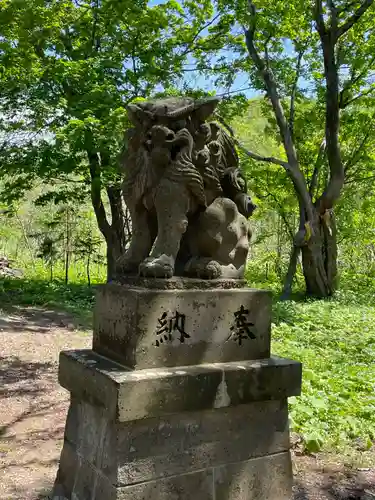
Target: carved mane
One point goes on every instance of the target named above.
(197, 153)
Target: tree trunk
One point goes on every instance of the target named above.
(88, 269)
(67, 245)
(114, 232)
(292, 267)
(116, 243)
(319, 257)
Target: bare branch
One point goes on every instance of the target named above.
(235, 91)
(267, 159)
(354, 157)
(250, 154)
(365, 93)
(354, 18)
(355, 79)
(196, 35)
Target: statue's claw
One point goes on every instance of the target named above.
(204, 268)
(128, 266)
(157, 267)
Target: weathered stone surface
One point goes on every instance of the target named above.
(119, 446)
(197, 486)
(78, 479)
(132, 395)
(138, 327)
(88, 376)
(92, 434)
(179, 283)
(66, 475)
(266, 478)
(186, 195)
(182, 443)
(143, 450)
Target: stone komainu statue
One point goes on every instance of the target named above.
(185, 193)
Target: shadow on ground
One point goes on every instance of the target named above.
(54, 297)
(20, 378)
(20, 319)
(318, 479)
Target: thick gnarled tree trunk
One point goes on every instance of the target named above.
(319, 257)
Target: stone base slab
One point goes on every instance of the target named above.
(235, 453)
(135, 394)
(265, 478)
(145, 450)
(211, 432)
(148, 327)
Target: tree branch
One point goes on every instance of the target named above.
(266, 51)
(334, 16)
(358, 96)
(95, 43)
(319, 19)
(250, 154)
(282, 214)
(352, 161)
(354, 18)
(267, 159)
(346, 8)
(196, 35)
(355, 79)
(294, 92)
(292, 166)
(359, 179)
(317, 167)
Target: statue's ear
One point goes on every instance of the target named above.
(137, 115)
(205, 108)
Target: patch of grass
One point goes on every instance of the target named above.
(75, 298)
(335, 341)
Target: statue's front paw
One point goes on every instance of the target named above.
(127, 265)
(203, 268)
(157, 267)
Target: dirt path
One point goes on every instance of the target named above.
(33, 405)
(33, 411)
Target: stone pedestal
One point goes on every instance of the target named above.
(179, 398)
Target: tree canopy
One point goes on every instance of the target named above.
(69, 68)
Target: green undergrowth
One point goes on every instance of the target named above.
(335, 341)
(75, 298)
